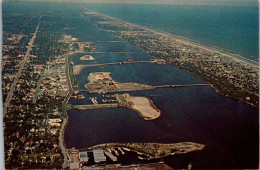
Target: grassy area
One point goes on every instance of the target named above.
(73, 80)
(121, 99)
(69, 107)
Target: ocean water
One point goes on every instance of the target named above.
(229, 28)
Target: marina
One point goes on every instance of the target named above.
(171, 125)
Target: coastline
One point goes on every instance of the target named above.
(185, 40)
(237, 88)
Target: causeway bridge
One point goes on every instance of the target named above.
(160, 86)
(114, 52)
(117, 63)
(78, 68)
(181, 85)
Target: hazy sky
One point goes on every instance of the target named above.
(187, 2)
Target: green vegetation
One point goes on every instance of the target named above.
(121, 99)
(73, 80)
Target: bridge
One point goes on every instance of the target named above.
(126, 62)
(78, 68)
(105, 41)
(160, 86)
(181, 85)
(114, 52)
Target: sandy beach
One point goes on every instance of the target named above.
(144, 107)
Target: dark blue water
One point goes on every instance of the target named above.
(196, 114)
(231, 28)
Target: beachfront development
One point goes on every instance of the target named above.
(231, 75)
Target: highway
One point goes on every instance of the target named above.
(21, 67)
(65, 119)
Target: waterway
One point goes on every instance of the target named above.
(227, 127)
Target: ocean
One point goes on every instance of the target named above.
(229, 28)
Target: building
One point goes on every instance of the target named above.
(99, 155)
(74, 165)
(83, 156)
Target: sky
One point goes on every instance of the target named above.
(181, 2)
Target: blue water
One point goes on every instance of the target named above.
(227, 127)
(231, 28)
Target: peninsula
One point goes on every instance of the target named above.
(102, 82)
(231, 75)
(142, 105)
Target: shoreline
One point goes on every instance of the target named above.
(217, 90)
(244, 62)
(147, 148)
(151, 105)
(185, 40)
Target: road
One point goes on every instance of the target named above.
(21, 67)
(65, 119)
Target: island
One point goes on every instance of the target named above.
(87, 57)
(101, 82)
(142, 105)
